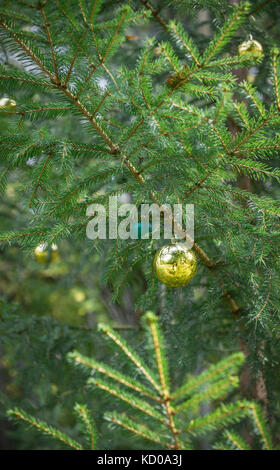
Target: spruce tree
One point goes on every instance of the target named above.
(153, 102)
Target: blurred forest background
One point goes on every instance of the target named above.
(47, 311)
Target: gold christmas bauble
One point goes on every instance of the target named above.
(45, 254)
(175, 265)
(251, 47)
(7, 103)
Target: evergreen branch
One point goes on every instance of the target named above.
(259, 170)
(91, 72)
(241, 111)
(155, 14)
(67, 92)
(96, 4)
(158, 343)
(82, 11)
(64, 12)
(11, 236)
(196, 186)
(200, 252)
(215, 391)
(138, 429)
(170, 56)
(237, 442)
(266, 300)
(112, 374)
(222, 416)
(46, 110)
(84, 415)
(230, 26)
(162, 365)
(220, 138)
(44, 428)
(28, 52)
(124, 14)
(78, 187)
(253, 131)
(228, 365)
(49, 40)
(67, 78)
(275, 55)
(258, 7)
(39, 178)
(132, 355)
(183, 40)
(18, 16)
(252, 93)
(127, 398)
(22, 78)
(255, 413)
(100, 103)
(230, 62)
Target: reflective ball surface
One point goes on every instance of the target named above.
(175, 265)
(7, 103)
(45, 254)
(252, 47)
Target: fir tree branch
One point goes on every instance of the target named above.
(233, 440)
(180, 36)
(162, 365)
(124, 13)
(94, 9)
(39, 178)
(49, 39)
(225, 414)
(128, 398)
(139, 430)
(114, 149)
(253, 131)
(231, 25)
(31, 81)
(29, 52)
(131, 355)
(275, 54)
(112, 374)
(258, 7)
(241, 111)
(84, 415)
(67, 78)
(252, 93)
(228, 365)
(155, 14)
(261, 428)
(44, 428)
(215, 391)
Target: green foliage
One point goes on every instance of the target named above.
(170, 415)
(82, 414)
(234, 442)
(151, 102)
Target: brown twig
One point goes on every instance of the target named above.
(155, 14)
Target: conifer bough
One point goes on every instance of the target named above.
(169, 144)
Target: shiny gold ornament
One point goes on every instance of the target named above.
(251, 47)
(175, 265)
(45, 254)
(7, 103)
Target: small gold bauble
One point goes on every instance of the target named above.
(251, 47)
(7, 103)
(45, 254)
(175, 265)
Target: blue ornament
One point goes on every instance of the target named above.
(140, 229)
